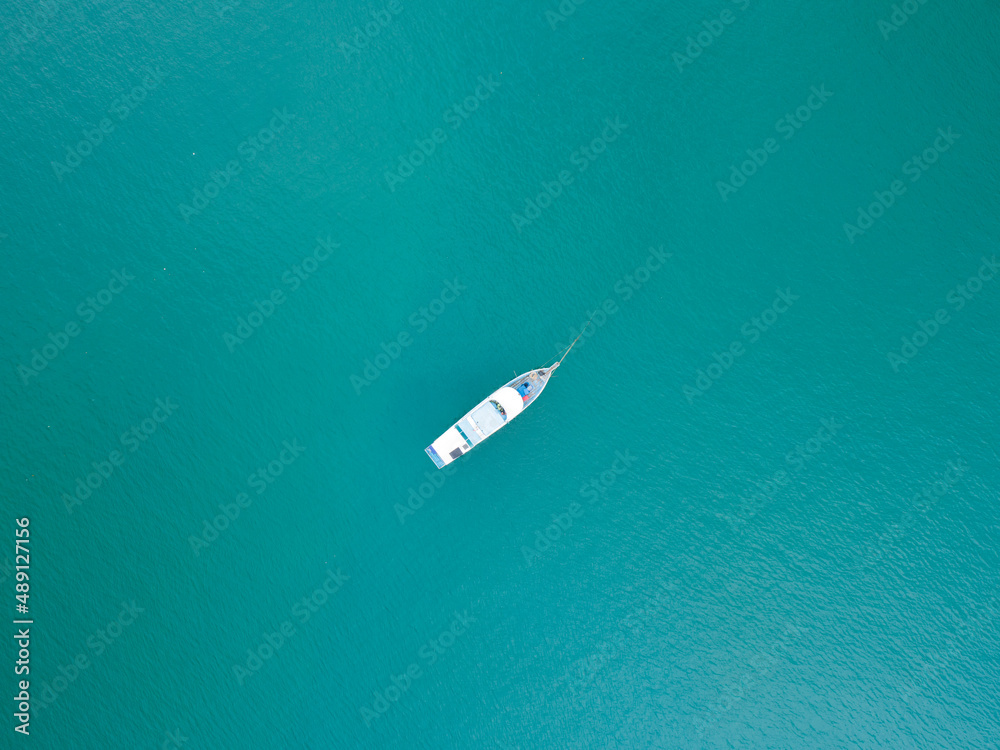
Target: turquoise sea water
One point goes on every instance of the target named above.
(732, 520)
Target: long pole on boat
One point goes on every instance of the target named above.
(574, 342)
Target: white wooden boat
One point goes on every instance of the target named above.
(493, 412)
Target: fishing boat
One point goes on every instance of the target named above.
(493, 412)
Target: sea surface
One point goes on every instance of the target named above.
(255, 257)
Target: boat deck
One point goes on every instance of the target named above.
(530, 384)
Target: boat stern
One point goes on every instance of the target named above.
(449, 446)
(432, 454)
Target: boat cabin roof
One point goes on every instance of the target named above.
(488, 418)
(510, 400)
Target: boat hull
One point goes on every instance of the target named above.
(488, 416)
